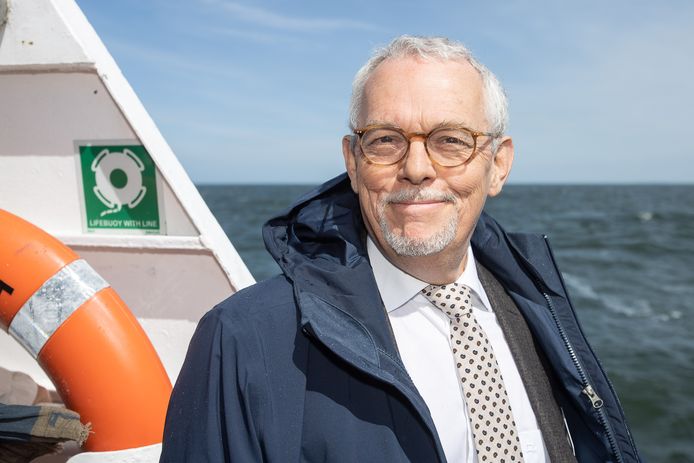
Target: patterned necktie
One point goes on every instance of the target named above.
(493, 428)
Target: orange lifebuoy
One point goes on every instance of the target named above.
(83, 336)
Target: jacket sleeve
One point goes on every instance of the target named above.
(210, 416)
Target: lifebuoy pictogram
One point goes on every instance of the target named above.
(83, 336)
(129, 191)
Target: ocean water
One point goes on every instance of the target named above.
(627, 255)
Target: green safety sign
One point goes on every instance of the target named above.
(120, 188)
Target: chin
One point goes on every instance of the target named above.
(419, 246)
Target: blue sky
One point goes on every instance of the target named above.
(257, 92)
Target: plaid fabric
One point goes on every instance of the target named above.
(27, 432)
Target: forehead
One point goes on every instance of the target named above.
(415, 93)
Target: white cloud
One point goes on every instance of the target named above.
(267, 18)
(255, 36)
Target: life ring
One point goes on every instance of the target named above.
(84, 337)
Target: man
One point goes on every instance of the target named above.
(407, 326)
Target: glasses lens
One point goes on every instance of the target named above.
(450, 147)
(383, 145)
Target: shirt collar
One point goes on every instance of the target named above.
(397, 287)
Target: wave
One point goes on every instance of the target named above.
(580, 287)
(637, 308)
(645, 216)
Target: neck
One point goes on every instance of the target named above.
(437, 269)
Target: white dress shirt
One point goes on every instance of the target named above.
(422, 335)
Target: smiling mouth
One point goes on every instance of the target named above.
(417, 203)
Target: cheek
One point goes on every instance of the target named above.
(467, 186)
(374, 183)
(371, 190)
(471, 189)
(475, 179)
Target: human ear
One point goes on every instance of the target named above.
(501, 166)
(350, 161)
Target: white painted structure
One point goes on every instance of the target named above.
(61, 89)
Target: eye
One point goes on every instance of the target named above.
(452, 139)
(384, 139)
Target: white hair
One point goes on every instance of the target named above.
(434, 48)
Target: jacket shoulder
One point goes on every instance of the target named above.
(270, 298)
(261, 322)
(230, 375)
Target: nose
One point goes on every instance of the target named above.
(417, 167)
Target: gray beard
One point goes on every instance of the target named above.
(413, 247)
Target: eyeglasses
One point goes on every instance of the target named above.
(446, 146)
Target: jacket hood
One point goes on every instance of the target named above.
(322, 228)
(319, 243)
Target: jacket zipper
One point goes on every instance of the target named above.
(593, 396)
(587, 390)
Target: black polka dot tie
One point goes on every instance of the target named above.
(491, 420)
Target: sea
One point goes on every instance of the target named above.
(627, 256)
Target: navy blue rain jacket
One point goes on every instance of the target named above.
(304, 366)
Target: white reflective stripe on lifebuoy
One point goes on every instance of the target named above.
(53, 303)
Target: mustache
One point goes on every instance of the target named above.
(418, 195)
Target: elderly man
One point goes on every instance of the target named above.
(407, 325)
